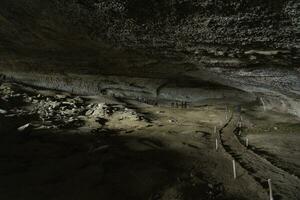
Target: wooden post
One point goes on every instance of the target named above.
(215, 130)
(263, 103)
(240, 124)
(247, 142)
(217, 145)
(234, 169)
(270, 189)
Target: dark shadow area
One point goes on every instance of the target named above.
(61, 165)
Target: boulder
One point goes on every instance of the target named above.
(3, 111)
(25, 128)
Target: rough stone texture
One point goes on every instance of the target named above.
(209, 32)
(252, 45)
(202, 31)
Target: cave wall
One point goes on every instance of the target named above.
(251, 45)
(236, 33)
(200, 30)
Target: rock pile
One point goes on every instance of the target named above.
(10, 97)
(102, 110)
(59, 111)
(6, 92)
(63, 111)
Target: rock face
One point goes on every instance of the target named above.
(210, 32)
(252, 45)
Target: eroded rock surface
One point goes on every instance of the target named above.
(140, 48)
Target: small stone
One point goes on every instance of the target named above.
(140, 118)
(68, 103)
(253, 57)
(25, 127)
(3, 111)
(60, 96)
(11, 115)
(89, 112)
(78, 99)
(220, 53)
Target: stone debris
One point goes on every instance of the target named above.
(43, 127)
(60, 114)
(65, 111)
(3, 111)
(102, 110)
(25, 127)
(60, 96)
(171, 121)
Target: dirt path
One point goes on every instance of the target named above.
(216, 166)
(285, 185)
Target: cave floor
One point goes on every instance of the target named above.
(75, 147)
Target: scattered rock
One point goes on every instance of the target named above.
(25, 127)
(68, 103)
(3, 111)
(78, 100)
(60, 96)
(89, 112)
(62, 111)
(171, 121)
(11, 115)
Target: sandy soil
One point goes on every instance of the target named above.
(105, 148)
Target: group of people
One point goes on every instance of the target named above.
(182, 104)
(177, 104)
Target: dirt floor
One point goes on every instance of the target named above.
(85, 148)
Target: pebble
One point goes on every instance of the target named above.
(3, 111)
(60, 96)
(24, 127)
